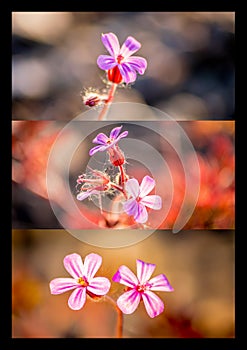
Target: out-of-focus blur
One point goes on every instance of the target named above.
(33, 144)
(190, 73)
(198, 264)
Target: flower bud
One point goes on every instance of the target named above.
(114, 75)
(116, 156)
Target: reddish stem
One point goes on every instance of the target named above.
(119, 327)
(102, 115)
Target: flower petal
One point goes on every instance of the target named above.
(101, 139)
(73, 264)
(128, 74)
(129, 47)
(129, 301)
(62, 285)
(132, 187)
(122, 135)
(144, 270)
(99, 286)
(97, 149)
(115, 132)
(83, 195)
(77, 298)
(153, 202)
(106, 62)
(141, 214)
(92, 263)
(125, 276)
(137, 63)
(111, 43)
(153, 304)
(160, 283)
(146, 186)
(130, 207)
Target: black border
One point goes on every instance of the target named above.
(15, 343)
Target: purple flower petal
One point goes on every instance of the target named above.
(129, 301)
(128, 74)
(97, 149)
(129, 47)
(99, 285)
(137, 63)
(132, 187)
(144, 270)
(115, 132)
(153, 304)
(101, 139)
(106, 62)
(122, 135)
(141, 214)
(92, 263)
(153, 202)
(62, 285)
(130, 207)
(83, 195)
(146, 186)
(125, 276)
(160, 283)
(73, 264)
(77, 298)
(111, 43)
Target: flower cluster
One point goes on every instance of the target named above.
(135, 198)
(121, 68)
(140, 287)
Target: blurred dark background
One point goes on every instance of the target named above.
(190, 55)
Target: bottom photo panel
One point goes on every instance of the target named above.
(165, 286)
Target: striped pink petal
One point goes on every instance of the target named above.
(141, 215)
(125, 276)
(153, 202)
(130, 206)
(62, 285)
(127, 72)
(129, 301)
(153, 304)
(99, 286)
(146, 186)
(137, 63)
(111, 43)
(129, 47)
(77, 298)
(132, 187)
(97, 149)
(106, 62)
(101, 139)
(144, 270)
(160, 283)
(92, 263)
(73, 264)
(115, 132)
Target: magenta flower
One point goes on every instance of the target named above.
(139, 200)
(141, 287)
(83, 281)
(106, 142)
(119, 64)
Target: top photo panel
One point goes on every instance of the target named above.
(123, 66)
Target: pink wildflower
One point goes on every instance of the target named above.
(83, 281)
(119, 64)
(139, 200)
(141, 287)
